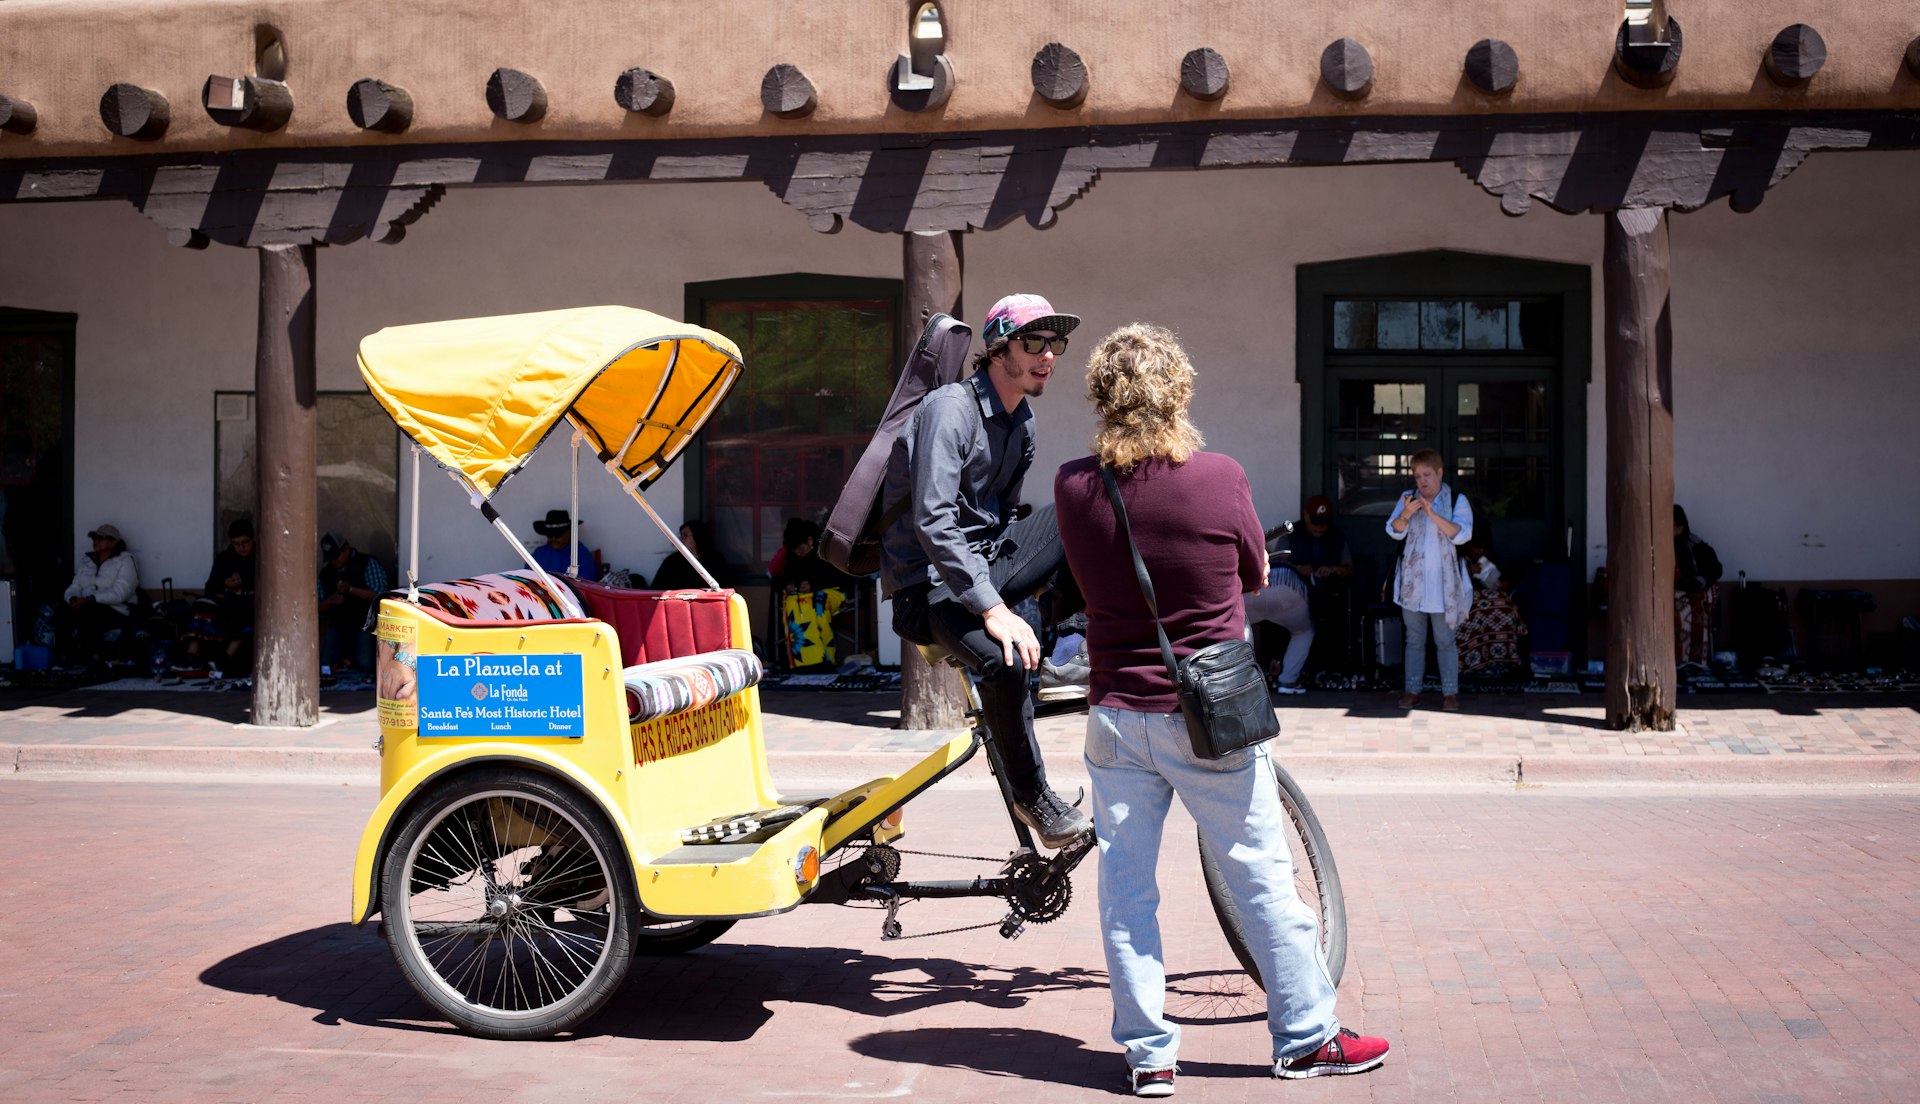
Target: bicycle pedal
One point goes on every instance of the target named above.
(1012, 926)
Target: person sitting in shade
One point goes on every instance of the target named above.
(105, 583)
(224, 635)
(350, 583)
(811, 593)
(557, 553)
(675, 573)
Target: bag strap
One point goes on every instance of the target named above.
(895, 511)
(1140, 572)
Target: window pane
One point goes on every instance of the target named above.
(1505, 486)
(1370, 411)
(1508, 413)
(1486, 326)
(1533, 325)
(1353, 323)
(33, 466)
(1440, 325)
(1370, 485)
(819, 373)
(357, 473)
(1398, 326)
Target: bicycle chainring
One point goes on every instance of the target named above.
(1037, 898)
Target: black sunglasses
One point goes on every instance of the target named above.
(1035, 344)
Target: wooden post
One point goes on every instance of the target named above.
(930, 697)
(1639, 350)
(286, 667)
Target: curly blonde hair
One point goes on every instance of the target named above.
(1140, 382)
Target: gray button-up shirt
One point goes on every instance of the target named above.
(962, 458)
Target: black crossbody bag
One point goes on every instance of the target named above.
(1223, 693)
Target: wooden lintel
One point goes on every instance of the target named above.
(958, 181)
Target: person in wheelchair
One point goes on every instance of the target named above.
(968, 549)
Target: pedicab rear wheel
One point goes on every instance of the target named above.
(509, 904)
(1315, 878)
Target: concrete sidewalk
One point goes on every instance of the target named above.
(1325, 737)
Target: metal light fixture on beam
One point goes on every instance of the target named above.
(253, 103)
(922, 78)
(1646, 51)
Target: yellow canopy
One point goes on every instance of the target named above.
(480, 394)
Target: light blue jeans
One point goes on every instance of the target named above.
(1287, 608)
(1138, 761)
(1443, 644)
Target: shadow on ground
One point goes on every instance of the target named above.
(720, 993)
(1559, 708)
(230, 706)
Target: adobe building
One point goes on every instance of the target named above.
(1604, 257)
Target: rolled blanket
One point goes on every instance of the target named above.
(670, 686)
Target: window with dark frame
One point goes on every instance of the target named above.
(819, 373)
(357, 477)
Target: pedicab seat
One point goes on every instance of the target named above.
(676, 645)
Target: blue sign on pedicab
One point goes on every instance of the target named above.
(499, 695)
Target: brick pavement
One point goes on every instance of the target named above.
(1326, 735)
(184, 942)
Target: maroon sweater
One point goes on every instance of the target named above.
(1196, 528)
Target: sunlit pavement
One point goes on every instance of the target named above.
(187, 942)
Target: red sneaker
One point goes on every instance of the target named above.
(1150, 1082)
(1344, 1053)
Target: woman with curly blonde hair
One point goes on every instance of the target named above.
(1141, 381)
(1193, 521)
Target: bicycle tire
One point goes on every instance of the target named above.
(509, 905)
(1314, 875)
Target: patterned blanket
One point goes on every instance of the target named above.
(670, 686)
(503, 596)
(1489, 639)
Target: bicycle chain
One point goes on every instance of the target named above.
(932, 855)
(942, 854)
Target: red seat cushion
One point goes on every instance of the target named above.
(661, 624)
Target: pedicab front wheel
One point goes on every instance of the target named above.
(1315, 878)
(509, 904)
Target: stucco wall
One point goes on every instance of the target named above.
(1793, 327)
(61, 55)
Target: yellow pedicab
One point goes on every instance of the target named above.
(572, 774)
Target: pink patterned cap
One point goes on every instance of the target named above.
(1021, 312)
